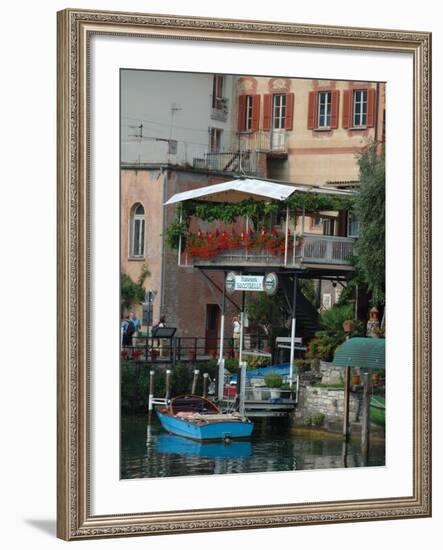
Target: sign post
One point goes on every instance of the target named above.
(221, 360)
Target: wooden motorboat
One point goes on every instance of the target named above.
(198, 418)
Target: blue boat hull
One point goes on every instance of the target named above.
(200, 432)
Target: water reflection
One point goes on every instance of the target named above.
(147, 451)
(166, 443)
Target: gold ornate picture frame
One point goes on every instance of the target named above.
(75, 31)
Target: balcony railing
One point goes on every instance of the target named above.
(269, 251)
(327, 249)
(274, 141)
(245, 162)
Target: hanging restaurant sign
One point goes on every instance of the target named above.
(251, 283)
(270, 283)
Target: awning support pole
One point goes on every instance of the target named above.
(293, 326)
(346, 402)
(221, 361)
(286, 235)
(365, 419)
(215, 285)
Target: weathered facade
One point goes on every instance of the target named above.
(187, 299)
(309, 131)
(203, 129)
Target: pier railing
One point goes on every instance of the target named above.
(149, 349)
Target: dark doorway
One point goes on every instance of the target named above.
(212, 327)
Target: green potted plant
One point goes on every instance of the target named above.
(274, 382)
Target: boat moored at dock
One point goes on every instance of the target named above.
(198, 418)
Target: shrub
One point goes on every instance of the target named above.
(317, 419)
(307, 420)
(255, 362)
(231, 365)
(273, 380)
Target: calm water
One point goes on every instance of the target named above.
(148, 451)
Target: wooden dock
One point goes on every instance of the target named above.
(263, 408)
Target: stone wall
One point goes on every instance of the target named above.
(325, 401)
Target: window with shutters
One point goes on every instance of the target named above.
(248, 113)
(360, 108)
(324, 110)
(137, 231)
(279, 111)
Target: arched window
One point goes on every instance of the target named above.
(137, 231)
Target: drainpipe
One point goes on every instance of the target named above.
(180, 239)
(377, 98)
(162, 240)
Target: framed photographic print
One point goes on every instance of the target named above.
(244, 274)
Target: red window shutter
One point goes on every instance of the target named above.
(371, 108)
(255, 112)
(267, 111)
(347, 108)
(289, 117)
(312, 110)
(335, 96)
(241, 113)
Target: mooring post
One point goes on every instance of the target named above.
(205, 384)
(365, 419)
(168, 385)
(346, 402)
(194, 382)
(151, 390)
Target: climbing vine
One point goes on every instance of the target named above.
(228, 212)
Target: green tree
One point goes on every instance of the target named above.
(369, 208)
(326, 341)
(132, 292)
(268, 311)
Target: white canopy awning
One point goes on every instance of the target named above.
(248, 188)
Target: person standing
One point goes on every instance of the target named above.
(160, 341)
(128, 331)
(236, 328)
(136, 322)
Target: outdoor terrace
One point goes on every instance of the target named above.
(243, 223)
(264, 250)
